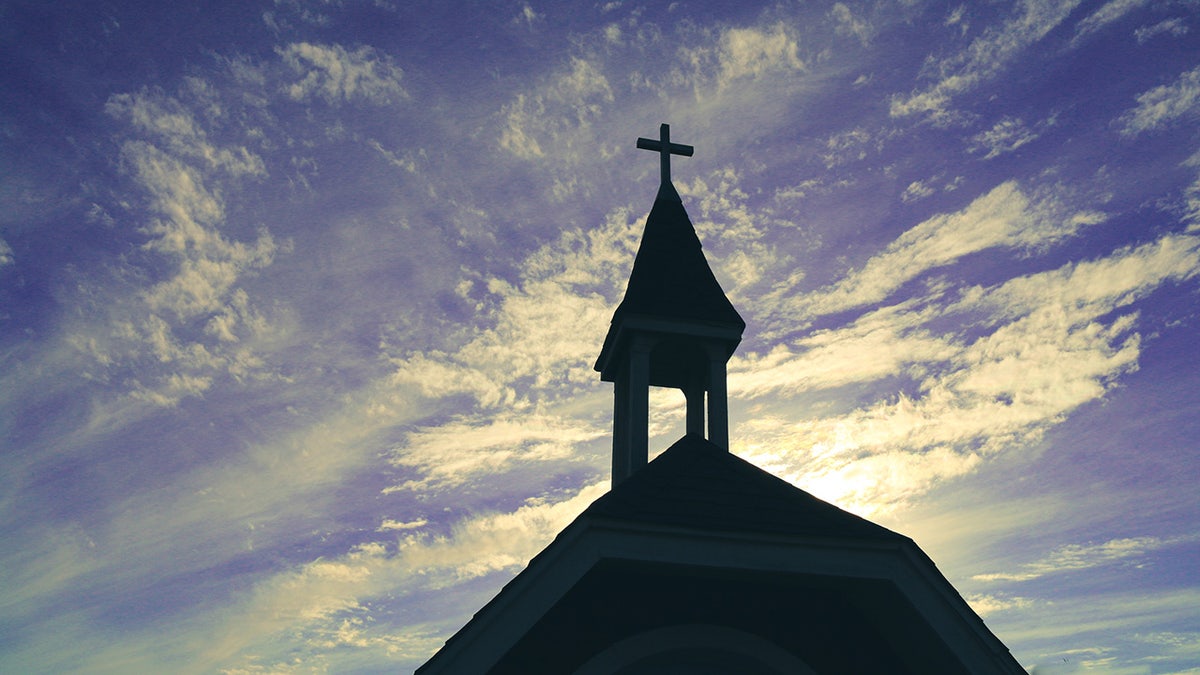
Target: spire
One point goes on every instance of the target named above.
(671, 277)
(674, 327)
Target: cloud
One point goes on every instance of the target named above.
(1173, 642)
(545, 328)
(337, 75)
(1006, 136)
(920, 189)
(984, 58)
(880, 344)
(1005, 217)
(231, 505)
(1192, 206)
(985, 604)
(6, 254)
(1174, 27)
(389, 525)
(737, 56)
(955, 18)
(750, 53)
(1074, 557)
(170, 321)
(1128, 612)
(1084, 290)
(1056, 342)
(168, 120)
(1107, 14)
(528, 16)
(329, 602)
(208, 263)
(845, 23)
(38, 570)
(916, 190)
(552, 114)
(1164, 104)
(407, 162)
(498, 541)
(846, 147)
(451, 453)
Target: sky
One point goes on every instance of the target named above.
(299, 302)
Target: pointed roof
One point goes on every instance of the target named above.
(671, 278)
(695, 484)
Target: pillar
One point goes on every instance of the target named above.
(718, 405)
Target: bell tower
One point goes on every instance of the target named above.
(674, 328)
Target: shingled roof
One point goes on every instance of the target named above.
(696, 484)
(671, 278)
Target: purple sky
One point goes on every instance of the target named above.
(299, 302)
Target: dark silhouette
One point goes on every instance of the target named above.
(665, 148)
(700, 562)
(674, 328)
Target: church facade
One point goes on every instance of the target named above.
(699, 562)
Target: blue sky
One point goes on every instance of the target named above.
(299, 303)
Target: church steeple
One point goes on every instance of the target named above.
(674, 328)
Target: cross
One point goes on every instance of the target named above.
(665, 149)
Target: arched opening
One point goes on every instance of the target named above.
(683, 365)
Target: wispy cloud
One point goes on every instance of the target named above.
(339, 75)
(1007, 135)
(389, 525)
(498, 541)
(1129, 612)
(209, 264)
(846, 23)
(739, 55)
(1108, 13)
(1174, 27)
(1164, 105)
(319, 598)
(150, 324)
(452, 453)
(528, 16)
(1074, 557)
(880, 344)
(168, 120)
(848, 146)
(983, 59)
(985, 604)
(747, 53)
(1005, 217)
(1191, 205)
(569, 100)
(915, 191)
(544, 327)
(1054, 346)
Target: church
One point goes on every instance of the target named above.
(700, 562)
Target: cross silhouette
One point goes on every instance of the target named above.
(665, 149)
